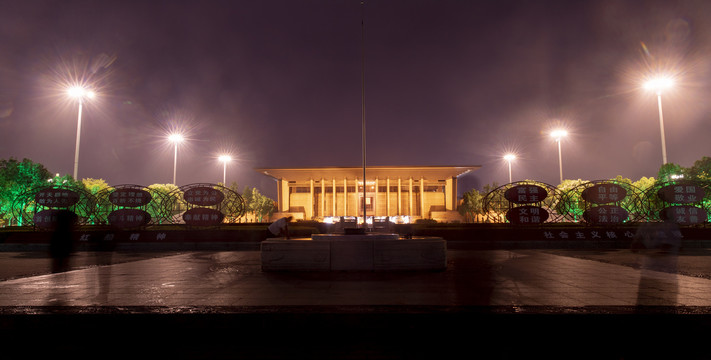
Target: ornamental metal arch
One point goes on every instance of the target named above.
(523, 203)
(602, 202)
(684, 202)
(207, 204)
(40, 205)
(133, 206)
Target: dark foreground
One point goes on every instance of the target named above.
(492, 304)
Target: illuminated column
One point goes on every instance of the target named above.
(409, 206)
(310, 213)
(333, 210)
(345, 196)
(284, 195)
(357, 197)
(322, 211)
(422, 197)
(449, 194)
(375, 199)
(387, 196)
(399, 196)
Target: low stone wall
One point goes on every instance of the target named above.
(369, 252)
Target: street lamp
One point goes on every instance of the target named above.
(659, 84)
(175, 139)
(558, 135)
(509, 158)
(79, 93)
(225, 159)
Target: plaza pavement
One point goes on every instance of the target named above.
(501, 304)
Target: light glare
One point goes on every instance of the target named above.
(176, 138)
(659, 84)
(558, 134)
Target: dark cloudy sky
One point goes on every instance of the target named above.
(278, 84)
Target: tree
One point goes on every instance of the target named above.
(16, 178)
(701, 170)
(670, 171)
(261, 206)
(472, 205)
(94, 186)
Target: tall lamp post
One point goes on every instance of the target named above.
(175, 139)
(509, 158)
(79, 93)
(225, 159)
(558, 135)
(658, 85)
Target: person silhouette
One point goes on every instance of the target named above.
(61, 244)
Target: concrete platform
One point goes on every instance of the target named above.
(363, 252)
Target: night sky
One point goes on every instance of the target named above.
(278, 84)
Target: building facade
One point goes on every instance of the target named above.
(405, 193)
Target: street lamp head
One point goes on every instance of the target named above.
(225, 158)
(509, 157)
(659, 84)
(79, 92)
(558, 134)
(176, 138)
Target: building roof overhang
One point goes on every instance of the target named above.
(371, 172)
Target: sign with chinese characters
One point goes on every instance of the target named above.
(604, 193)
(47, 219)
(589, 234)
(129, 218)
(605, 215)
(130, 197)
(525, 194)
(203, 196)
(203, 217)
(682, 193)
(56, 198)
(524, 215)
(684, 214)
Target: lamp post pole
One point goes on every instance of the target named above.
(76, 149)
(509, 158)
(661, 128)
(175, 139)
(659, 84)
(78, 93)
(558, 135)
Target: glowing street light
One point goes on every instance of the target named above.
(658, 85)
(175, 139)
(225, 159)
(558, 135)
(79, 93)
(509, 158)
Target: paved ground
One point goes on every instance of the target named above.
(601, 304)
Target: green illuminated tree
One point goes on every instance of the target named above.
(16, 178)
(669, 171)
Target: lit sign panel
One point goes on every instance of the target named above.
(130, 197)
(129, 218)
(605, 215)
(604, 193)
(525, 194)
(203, 217)
(56, 198)
(527, 214)
(685, 193)
(203, 196)
(48, 219)
(684, 214)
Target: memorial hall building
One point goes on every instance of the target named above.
(402, 193)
